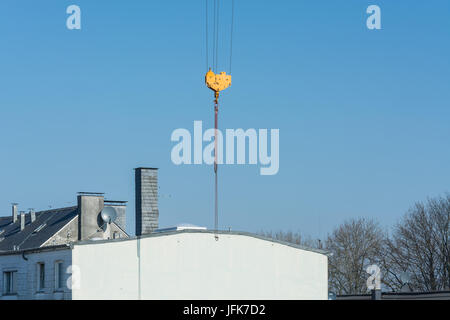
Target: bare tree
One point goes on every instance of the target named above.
(292, 237)
(416, 255)
(354, 246)
(420, 248)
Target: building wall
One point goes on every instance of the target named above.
(27, 275)
(107, 270)
(116, 232)
(121, 220)
(193, 265)
(69, 233)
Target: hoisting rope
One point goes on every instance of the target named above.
(217, 82)
(216, 200)
(214, 38)
(231, 33)
(207, 47)
(215, 35)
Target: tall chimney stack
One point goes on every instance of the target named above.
(14, 212)
(22, 220)
(147, 213)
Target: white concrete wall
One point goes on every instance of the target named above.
(27, 275)
(196, 266)
(107, 270)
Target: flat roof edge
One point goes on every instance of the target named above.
(241, 233)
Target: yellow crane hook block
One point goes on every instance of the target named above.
(217, 82)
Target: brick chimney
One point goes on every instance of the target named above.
(14, 212)
(147, 213)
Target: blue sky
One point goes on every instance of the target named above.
(364, 115)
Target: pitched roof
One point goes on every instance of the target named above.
(34, 234)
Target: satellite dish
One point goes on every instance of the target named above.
(108, 214)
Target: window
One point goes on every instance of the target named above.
(59, 275)
(41, 276)
(9, 282)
